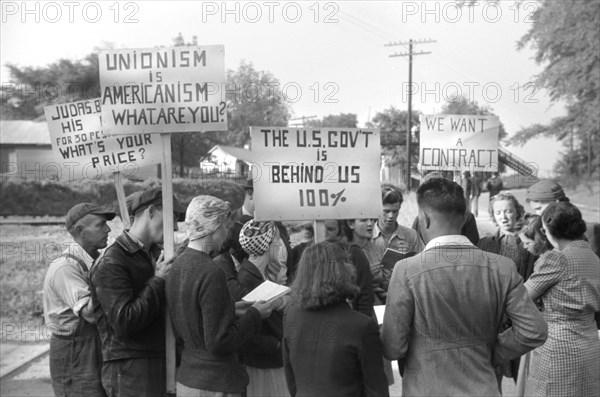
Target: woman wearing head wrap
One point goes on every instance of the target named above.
(202, 310)
(567, 279)
(262, 353)
(546, 192)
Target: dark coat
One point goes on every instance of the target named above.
(263, 350)
(203, 316)
(333, 351)
(128, 302)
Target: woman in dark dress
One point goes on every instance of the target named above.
(328, 348)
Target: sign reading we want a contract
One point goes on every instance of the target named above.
(163, 90)
(82, 149)
(459, 142)
(316, 174)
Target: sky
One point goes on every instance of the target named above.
(330, 57)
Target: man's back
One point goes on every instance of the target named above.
(444, 312)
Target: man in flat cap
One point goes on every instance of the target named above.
(68, 309)
(541, 194)
(128, 291)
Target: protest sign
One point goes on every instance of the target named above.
(309, 174)
(81, 147)
(163, 90)
(459, 142)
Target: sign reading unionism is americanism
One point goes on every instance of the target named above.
(459, 142)
(315, 174)
(84, 151)
(163, 90)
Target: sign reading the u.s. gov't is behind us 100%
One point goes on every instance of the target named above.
(80, 146)
(168, 89)
(310, 173)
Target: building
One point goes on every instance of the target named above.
(227, 160)
(26, 154)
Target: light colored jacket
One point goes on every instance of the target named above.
(444, 314)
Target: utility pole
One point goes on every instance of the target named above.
(303, 118)
(408, 121)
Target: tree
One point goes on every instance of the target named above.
(566, 40)
(254, 98)
(343, 120)
(392, 125)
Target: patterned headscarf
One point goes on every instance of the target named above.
(256, 237)
(204, 215)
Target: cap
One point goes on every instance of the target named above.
(545, 190)
(82, 209)
(150, 197)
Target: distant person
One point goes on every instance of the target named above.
(68, 309)
(466, 182)
(128, 293)
(545, 192)
(494, 186)
(567, 279)
(476, 186)
(468, 229)
(437, 301)
(203, 311)
(329, 349)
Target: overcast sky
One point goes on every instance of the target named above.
(329, 56)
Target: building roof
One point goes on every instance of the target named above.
(237, 152)
(24, 132)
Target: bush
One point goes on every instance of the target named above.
(46, 198)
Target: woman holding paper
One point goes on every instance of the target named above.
(262, 352)
(328, 348)
(203, 312)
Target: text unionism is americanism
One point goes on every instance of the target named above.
(165, 86)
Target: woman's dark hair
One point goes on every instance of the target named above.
(324, 277)
(507, 197)
(532, 228)
(232, 241)
(563, 220)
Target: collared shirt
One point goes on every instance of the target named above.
(403, 239)
(66, 290)
(450, 239)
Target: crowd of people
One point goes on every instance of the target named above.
(461, 312)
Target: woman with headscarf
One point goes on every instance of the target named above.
(262, 353)
(567, 279)
(330, 349)
(203, 312)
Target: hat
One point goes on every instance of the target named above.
(129, 201)
(256, 237)
(204, 215)
(82, 209)
(545, 190)
(154, 197)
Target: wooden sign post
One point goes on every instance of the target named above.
(163, 91)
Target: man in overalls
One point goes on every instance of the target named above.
(75, 347)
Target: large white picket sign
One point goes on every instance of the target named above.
(459, 142)
(311, 174)
(163, 90)
(81, 147)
